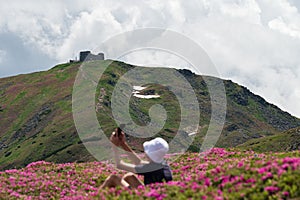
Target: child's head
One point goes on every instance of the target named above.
(156, 149)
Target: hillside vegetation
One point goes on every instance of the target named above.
(220, 174)
(285, 141)
(36, 114)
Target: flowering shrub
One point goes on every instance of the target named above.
(220, 174)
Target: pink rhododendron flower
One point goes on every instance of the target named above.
(271, 189)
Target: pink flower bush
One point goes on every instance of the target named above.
(271, 189)
(218, 174)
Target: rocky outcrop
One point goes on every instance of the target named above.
(238, 94)
(32, 124)
(2, 146)
(231, 127)
(186, 72)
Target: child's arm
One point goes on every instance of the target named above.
(132, 155)
(120, 164)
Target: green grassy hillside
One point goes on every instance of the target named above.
(36, 114)
(285, 141)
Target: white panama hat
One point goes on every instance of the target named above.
(156, 149)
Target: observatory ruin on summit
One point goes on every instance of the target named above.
(88, 56)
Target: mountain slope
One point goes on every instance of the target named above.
(285, 141)
(36, 114)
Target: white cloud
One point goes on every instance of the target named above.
(282, 16)
(247, 11)
(291, 29)
(154, 58)
(255, 43)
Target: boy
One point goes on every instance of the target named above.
(154, 171)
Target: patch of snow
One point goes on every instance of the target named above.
(194, 133)
(136, 91)
(138, 88)
(145, 96)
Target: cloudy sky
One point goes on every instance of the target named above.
(255, 43)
